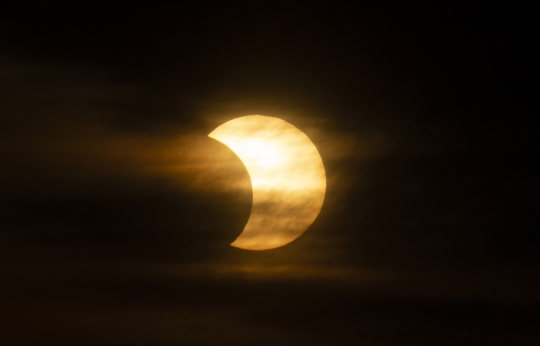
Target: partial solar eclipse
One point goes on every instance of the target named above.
(287, 176)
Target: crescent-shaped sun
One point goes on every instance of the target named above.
(287, 176)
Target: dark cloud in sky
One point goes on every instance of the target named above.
(117, 210)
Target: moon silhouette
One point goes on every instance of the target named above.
(287, 176)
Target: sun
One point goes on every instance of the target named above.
(287, 176)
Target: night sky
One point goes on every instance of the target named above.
(117, 210)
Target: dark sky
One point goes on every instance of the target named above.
(117, 210)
